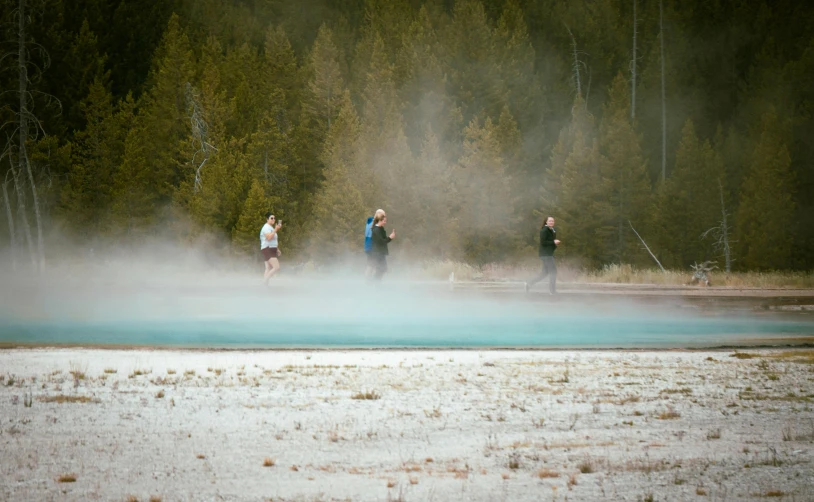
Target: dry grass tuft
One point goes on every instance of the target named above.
(200, 456)
(155, 498)
(775, 493)
(170, 371)
(413, 480)
(547, 473)
(391, 483)
(268, 462)
(111, 370)
(371, 395)
(68, 399)
(586, 466)
(700, 491)
(294, 468)
(67, 478)
(160, 394)
(669, 414)
(743, 355)
(131, 498)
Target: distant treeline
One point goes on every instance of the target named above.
(468, 121)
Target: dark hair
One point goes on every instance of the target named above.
(269, 215)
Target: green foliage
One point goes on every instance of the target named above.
(765, 236)
(246, 233)
(689, 204)
(460, 118)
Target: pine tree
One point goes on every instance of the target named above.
(326, 84)
(163, 114)
(487, 216)
(765, 217)
(625, 189)
(572, 192)
(689, 204)
(246, 232)
(98, 148)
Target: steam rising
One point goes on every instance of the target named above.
(181, 300)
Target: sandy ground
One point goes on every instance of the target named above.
(405, 425)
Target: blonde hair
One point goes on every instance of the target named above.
(378, 216)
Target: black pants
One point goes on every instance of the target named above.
(549, 270)
(379, 266)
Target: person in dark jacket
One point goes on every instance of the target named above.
(369, 243)
(379, 240)
(548, 244)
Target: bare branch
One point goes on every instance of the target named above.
(645, 245)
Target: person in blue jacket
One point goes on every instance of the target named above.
(371, 266)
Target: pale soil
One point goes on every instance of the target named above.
(446, 425)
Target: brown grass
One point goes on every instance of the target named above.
(200, 456)
(68, 399)
(795, 356)
(131, 498)
(775, 493)
(391, 483)
(268, 462)
(67, 478)
(155, 498)
(413, 480)
(111, 370)
(547, 473)
(372, 395)
(160, 394)
(743, 355)
(668, 415)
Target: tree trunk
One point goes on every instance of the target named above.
(725, 230)
(663, 99)
(23, 152)
(633, 68)
(11, 231)
(23, 212)
(577, 80)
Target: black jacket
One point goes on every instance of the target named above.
(547, 236)
(379, 240)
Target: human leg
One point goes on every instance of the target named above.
(539, 277)
(551, 270)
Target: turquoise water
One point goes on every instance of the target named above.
(338, 316)
(561, 331)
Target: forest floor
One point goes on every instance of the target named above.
(420, 425)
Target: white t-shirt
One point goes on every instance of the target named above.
(265, 243)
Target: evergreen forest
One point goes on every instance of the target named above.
(686, 122)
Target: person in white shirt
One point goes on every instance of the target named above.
(268, 246)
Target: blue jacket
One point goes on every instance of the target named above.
(369, 235)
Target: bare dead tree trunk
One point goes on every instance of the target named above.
(23, 212)
(200, 133)
(663, 98)
(25, 164)
(576, 63)
(645, 245)
(725, 230)
(633, 67)
(12, 232)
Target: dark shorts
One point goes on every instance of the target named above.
(269, 253)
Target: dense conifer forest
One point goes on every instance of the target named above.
(468, 121)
